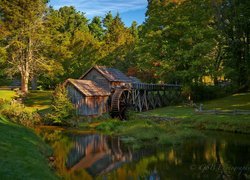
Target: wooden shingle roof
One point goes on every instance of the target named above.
(87, 87)
(110, 74)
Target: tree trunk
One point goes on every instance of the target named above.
(25, 73)
(25, 82)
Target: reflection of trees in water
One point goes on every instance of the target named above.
(213, 158)
(88, 156)
(233, 166)
(209, 159)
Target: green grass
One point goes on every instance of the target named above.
(35, 100)
(22, 153)
(189, 118)
(38, 100)
(140, 132)
(143, 128)
(7, 94)
(236, 101)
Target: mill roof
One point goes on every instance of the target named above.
(135, 79)
(87, 87)
(110, 74)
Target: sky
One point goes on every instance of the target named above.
(129, 10)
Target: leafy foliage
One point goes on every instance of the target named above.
(235, 25)
(17, 113)
(62, 108)
(24, 40)
(181, 41)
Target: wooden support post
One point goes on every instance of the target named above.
(139, 102)
(146, 100)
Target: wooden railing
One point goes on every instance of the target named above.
(154, 87)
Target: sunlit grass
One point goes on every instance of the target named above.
(34, 101)
(7, 94)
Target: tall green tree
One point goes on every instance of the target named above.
(235, 25)
(96, 28)
(73, 45)
(23, 21)
(118, 43)
(177, 40)
(107, 20)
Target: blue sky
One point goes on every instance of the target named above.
(129, 9)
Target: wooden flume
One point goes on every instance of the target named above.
(142, 97)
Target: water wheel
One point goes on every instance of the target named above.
(119, 104)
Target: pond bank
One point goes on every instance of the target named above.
(161, 131)
(173, 124)
(23, 153)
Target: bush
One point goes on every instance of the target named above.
(17, 113)
(108, 126)
(62, 109)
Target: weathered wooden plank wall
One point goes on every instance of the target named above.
(95, 76)
(87, 105)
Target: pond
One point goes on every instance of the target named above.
(86, 155)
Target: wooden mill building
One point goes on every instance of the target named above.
(102, 89)
(107, 77)
(91, 92)
(88, 98)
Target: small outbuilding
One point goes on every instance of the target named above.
(91, 93)
(88, 98)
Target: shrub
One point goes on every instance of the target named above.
(62, 109)
(17, 113)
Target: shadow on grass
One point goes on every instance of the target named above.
(38, 100)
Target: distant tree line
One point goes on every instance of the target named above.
(181, 41)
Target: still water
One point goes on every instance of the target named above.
(86, 155)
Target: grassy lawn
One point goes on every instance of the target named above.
(144, 128)
(236, 101)
(7, 94)
(22, 153)
(38, 100)
(189, 118)
(35, 100)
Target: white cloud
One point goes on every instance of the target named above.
(101, 7)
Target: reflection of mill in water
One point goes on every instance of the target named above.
(97, 154)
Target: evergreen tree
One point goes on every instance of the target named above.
(62, 110)
(107, 20)
(73, 46)
(118, 44)
(96, 28)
